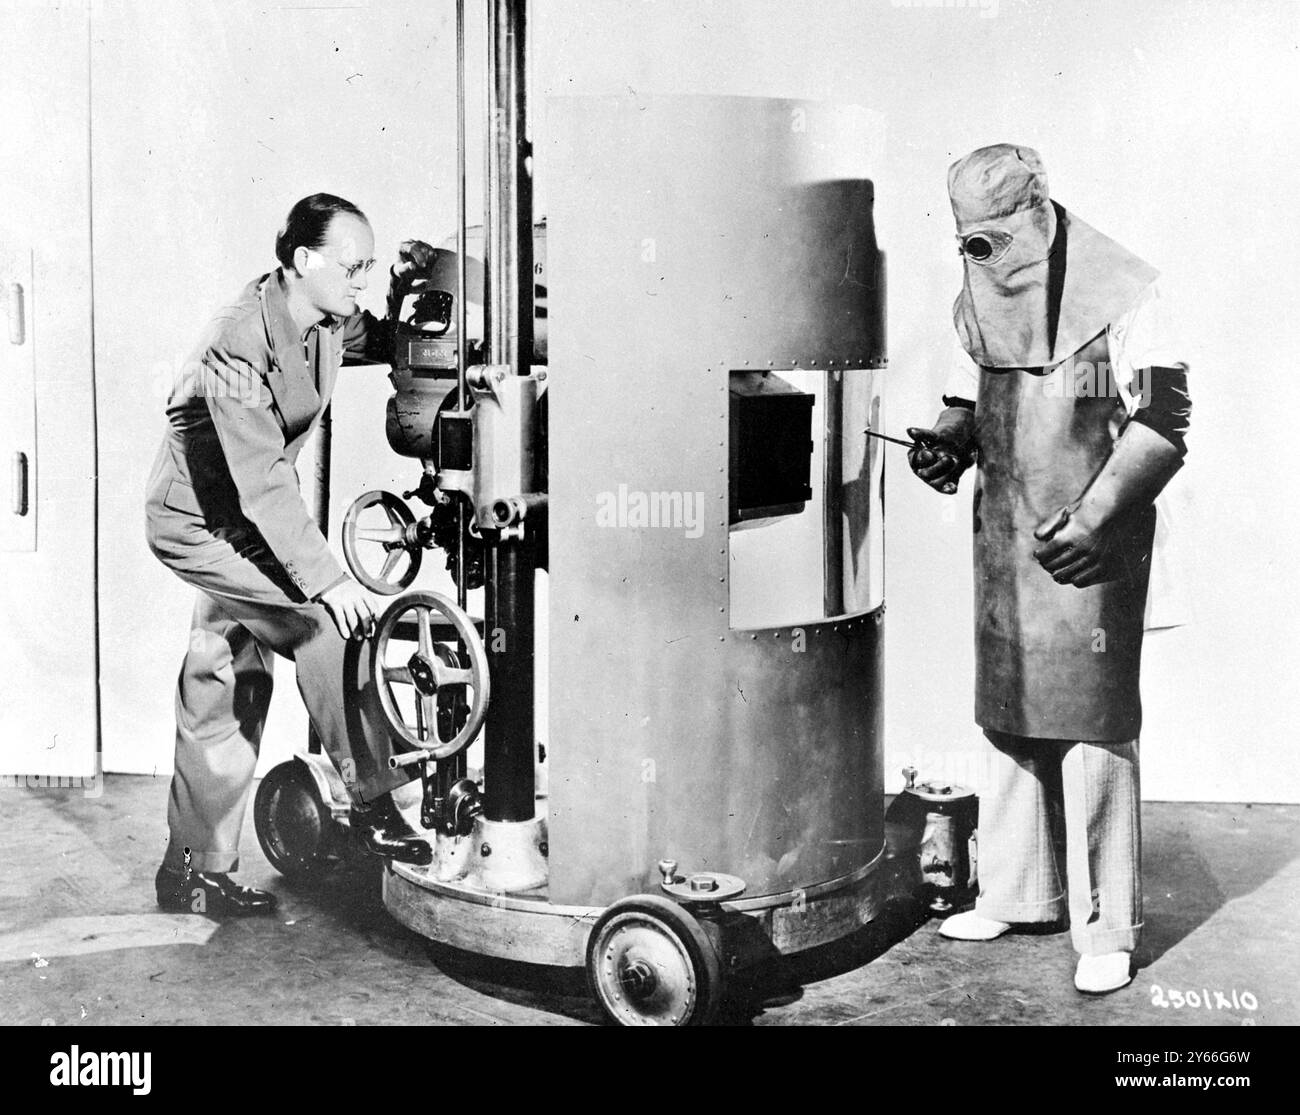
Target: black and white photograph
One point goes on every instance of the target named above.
(691, 513)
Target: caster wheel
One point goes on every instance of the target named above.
(649, 963)
(294, 825)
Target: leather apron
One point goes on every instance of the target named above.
(1052, 661)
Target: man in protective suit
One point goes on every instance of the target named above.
(1074, 412)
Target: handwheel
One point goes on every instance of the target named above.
(293, 824)
(435, 670)
(397, 539)
(649, 963)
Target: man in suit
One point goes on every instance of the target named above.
(225, 514)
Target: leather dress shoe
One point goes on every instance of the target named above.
(382, 830)
(209, 892)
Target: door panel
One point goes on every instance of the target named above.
(48, 654)
(17, 398)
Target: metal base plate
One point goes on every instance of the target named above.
(530, 929)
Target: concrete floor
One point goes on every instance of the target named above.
(82, 941)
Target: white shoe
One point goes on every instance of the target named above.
(1110, 971)
(970, 926)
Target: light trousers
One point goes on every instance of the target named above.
(1093, 789)
(244, 614)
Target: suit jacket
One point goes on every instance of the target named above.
(238, 414)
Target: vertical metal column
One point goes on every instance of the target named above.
(462, 312)
(451, 770)
(508, 777)
(321, 480)
(508, 307)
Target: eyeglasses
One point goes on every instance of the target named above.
(985, 246)
(351, 270)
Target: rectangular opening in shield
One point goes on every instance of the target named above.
(771, 447)
(806, 543)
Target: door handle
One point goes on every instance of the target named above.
(18, 501)
(17, 326)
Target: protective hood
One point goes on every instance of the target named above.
(1051, 283)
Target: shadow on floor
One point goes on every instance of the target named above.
(781, 981)
(353, 894)
(1197, 857)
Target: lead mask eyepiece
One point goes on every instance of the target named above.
(984, 246)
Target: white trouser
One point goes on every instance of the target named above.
(1094, 788)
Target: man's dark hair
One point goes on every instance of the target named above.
(308, 222)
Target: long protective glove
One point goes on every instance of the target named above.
(946, 450)
(1085, 540)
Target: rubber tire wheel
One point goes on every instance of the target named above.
(294, 826)
(681, 924)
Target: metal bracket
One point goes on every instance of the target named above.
(484, 379)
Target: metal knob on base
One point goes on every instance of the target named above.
(700, 886)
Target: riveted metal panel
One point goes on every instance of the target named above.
(700, 236)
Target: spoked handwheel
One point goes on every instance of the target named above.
(650, 963)
(382, 551)
(449, 665)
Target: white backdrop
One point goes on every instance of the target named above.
(1171, 126)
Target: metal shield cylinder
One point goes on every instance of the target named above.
(704, 237)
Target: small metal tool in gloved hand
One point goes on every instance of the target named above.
(896, 440)
(927, 450)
